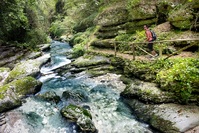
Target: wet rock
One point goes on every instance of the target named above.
(2, 119)
(34, 55)
(4, 72)
(89, 60)
(168, 118)
(27, 68)
(11, 94)
(79, 115)
(49, 96)
(75, 96)
(148, 92)
(44, 47)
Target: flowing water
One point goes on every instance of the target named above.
(109, 113)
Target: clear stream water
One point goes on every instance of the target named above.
(109, 113)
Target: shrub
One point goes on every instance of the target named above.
(181, 78)
(78, 50)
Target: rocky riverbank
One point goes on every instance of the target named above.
(149, 103)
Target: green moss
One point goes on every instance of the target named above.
(15, 73)
(182, 16)
(74, 112)
(3, 69)
(20, 87)
(157, 122)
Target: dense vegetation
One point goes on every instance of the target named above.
(25, 22)
(84, 23)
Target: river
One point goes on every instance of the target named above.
(109, 113)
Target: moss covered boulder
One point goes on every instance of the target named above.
(167, 118)
(105, 43)
(148, 92)
(79, 115)
(12, 93)
(49, 96)
(182, 17)
(141, 9)
(114, 15)
(27, 68)
(90, 60)
(75, 96)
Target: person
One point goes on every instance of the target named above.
(150, 40)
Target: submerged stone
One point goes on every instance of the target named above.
(49, 96)
(76, 96)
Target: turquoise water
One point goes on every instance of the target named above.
(102, 98)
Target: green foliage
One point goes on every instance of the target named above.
(181, 78)
(140, 36)
(12, 19)
(132, 3)
(35, 37)
(57, 29)
(23, 23)
(125, 38)
(78, 50)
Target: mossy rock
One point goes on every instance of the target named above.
(76, 96)
(112, 16)
(49, 96)
(79, 115)
(148, 92)
(167, 118)
(107, 34)
(132, 27)
(27, 68)
(141, 69)
(90, 60)
(85, 23)
(142, 11)
(105, 43)
(12, 93)
(181, 17)
(94, 72)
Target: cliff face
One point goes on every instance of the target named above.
(127, 17)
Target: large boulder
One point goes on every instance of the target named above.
(148, 92)
(141, 10)
(12, 93)
(168, 118)
(75, 96)
(181, 18)
(49, 96)
(89, 60)
(27, 68)
(79, 115)
(112, 16)
(105, 43)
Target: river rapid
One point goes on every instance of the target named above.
(109, 113)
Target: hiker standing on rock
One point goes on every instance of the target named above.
(150, 39)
